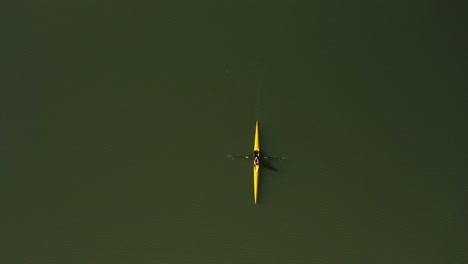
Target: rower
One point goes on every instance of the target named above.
(256, 157)
(256, 161)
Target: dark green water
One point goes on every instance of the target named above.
(116, 118)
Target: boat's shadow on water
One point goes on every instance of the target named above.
(267, 162)
(266, 185)
(267, 165)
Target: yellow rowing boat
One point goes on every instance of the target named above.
(256, 160)
(256, 167)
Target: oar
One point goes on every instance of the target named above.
(274, 158)
(238, 157)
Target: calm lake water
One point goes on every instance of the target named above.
(116, 119)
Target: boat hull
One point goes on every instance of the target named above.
(256, 168)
